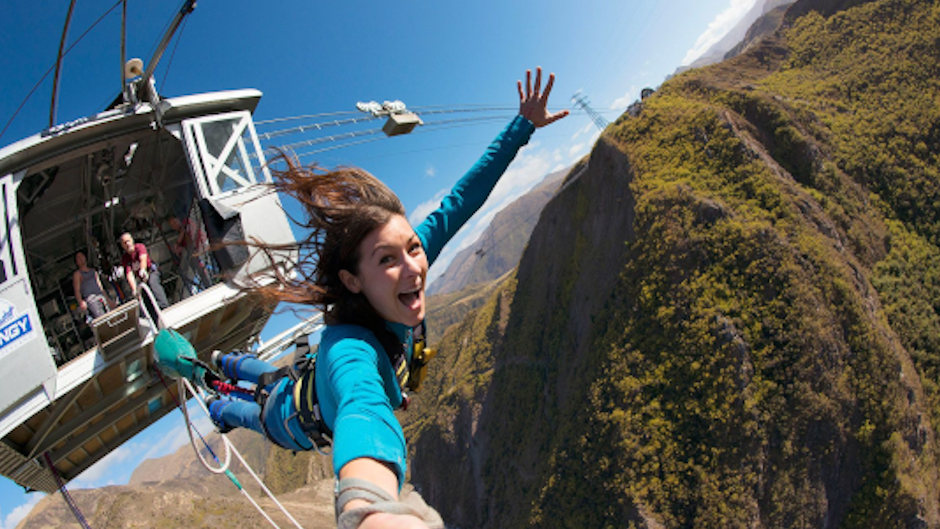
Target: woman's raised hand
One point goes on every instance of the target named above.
(534, 106)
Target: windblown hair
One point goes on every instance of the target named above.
(341, 207)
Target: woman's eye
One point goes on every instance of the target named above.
(385, 259)
(415, 248)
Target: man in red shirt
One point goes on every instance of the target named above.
(138, 266)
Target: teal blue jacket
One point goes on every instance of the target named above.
(355, 382)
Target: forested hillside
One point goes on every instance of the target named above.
(730, 318)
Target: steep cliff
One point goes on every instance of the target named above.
(500, 246)
(728, 317)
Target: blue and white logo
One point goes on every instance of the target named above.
(19, 328)
(6, 311)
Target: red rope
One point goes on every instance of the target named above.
(226, 388)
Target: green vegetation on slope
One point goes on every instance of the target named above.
(769, 356)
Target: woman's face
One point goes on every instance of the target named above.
(80, 259)
(392, 271)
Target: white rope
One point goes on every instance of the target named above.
(263, 486)
(259, 509)
(186, 385)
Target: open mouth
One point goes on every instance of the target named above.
(411, 299)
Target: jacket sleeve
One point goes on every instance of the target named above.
(364, 424)
(472, 190)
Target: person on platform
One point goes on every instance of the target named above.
(86, 283)
(139, 267)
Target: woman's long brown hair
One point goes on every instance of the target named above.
(341, 207)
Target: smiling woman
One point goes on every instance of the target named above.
(392, 269)
(365, 267)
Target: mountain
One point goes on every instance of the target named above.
(177, 491)
(498, 249)
(730, 317)
(762, 18)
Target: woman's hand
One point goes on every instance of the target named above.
(384, 520)
(533, 106)
(380, 475)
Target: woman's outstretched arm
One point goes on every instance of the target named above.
(472, 190)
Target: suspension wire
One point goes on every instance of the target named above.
(341, 146)
(179, 37)
(330, 138)
(438, 125)
(451, 110)
(380, 137)
(123, 42)
(315, 126)
(43, 78)
(470, 107)
(420, 110)
(306, 116)
(355, 134)
(58, 64)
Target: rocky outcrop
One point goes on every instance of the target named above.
(500, 246)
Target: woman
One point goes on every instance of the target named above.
(366, 268)
(88, 290)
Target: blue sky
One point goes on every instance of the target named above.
(316, 57)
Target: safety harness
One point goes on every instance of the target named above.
(302, 371)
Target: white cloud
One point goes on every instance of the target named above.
(105, 470)
(178, 437)
(622, 102)
(19, 512)
(425, 208)
(116, 467)
(430, 171)
(575, 149)
(583, 130)
(718, 28)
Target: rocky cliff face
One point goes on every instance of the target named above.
(727, 316)
(500, 246)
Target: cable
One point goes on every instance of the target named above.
(306, 116)
(314, 126)
(65, 492)
(43, 78)
(380, 137)
(321, 125)
(430, 109)
(179, 37)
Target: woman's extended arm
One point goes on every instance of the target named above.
(472, 190)
(368, 443)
